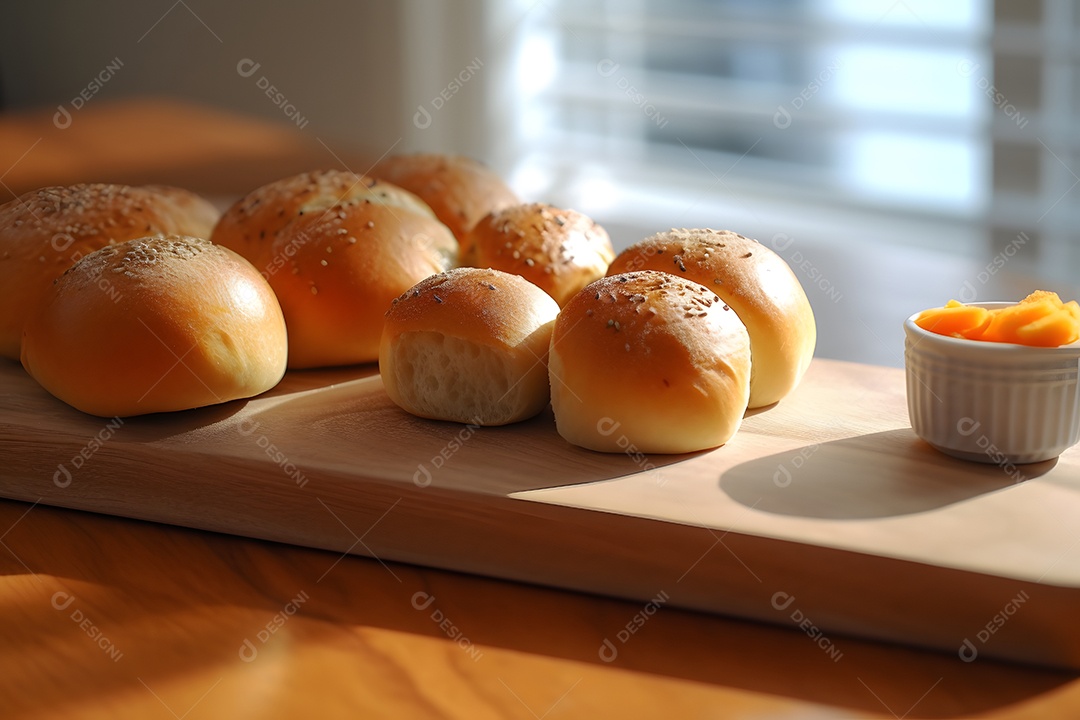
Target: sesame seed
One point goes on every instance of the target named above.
(627, 346)
(747, 255)
(530, 262)
(314, 290)
(352, 241)
(610, 323)
(323, 263)
(329, 248)
(589, 312)
(371, 223)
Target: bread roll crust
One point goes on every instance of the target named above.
(651, 360)
(561, 251)
(336, 271)
(756, 283)
(469, 345)
(458, 189)
(252, 224)
(43, 232)
(157, 324)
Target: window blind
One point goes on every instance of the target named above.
(836, 106)
(1033, 88)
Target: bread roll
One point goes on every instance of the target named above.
(336, 270)
(156, 324)
(469, 346)
(648, 362)
(561, 251)
(43, 232)
(756, 283)
(459, 189)
(252, 224)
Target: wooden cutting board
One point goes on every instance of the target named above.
(824, 513)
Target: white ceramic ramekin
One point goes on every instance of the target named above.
(992, 402)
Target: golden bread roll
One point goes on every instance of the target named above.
(562, 251)
(756, 283)
(156, 324)
(252, 224)
(459, 189)
(336, 270)
(470, 346)
(43, 232)
(650, 362)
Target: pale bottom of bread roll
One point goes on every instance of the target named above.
(449, 378)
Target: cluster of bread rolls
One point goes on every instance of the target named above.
(478, 307)
(129, 300)
(113, 300)
(44, 232)
(688, 330)
(756, 283)
(337, 248)
(662, 348)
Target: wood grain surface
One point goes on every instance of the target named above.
(111, 618)
(824, 511)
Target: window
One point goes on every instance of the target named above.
(783, 115)
(1034, 95)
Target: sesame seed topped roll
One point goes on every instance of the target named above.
(649, 359)
(756, 283)
(559, 250)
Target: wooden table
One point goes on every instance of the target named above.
(112, 618)
(105, 617)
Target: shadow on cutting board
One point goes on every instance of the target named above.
(878, 475)
(352, 425)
